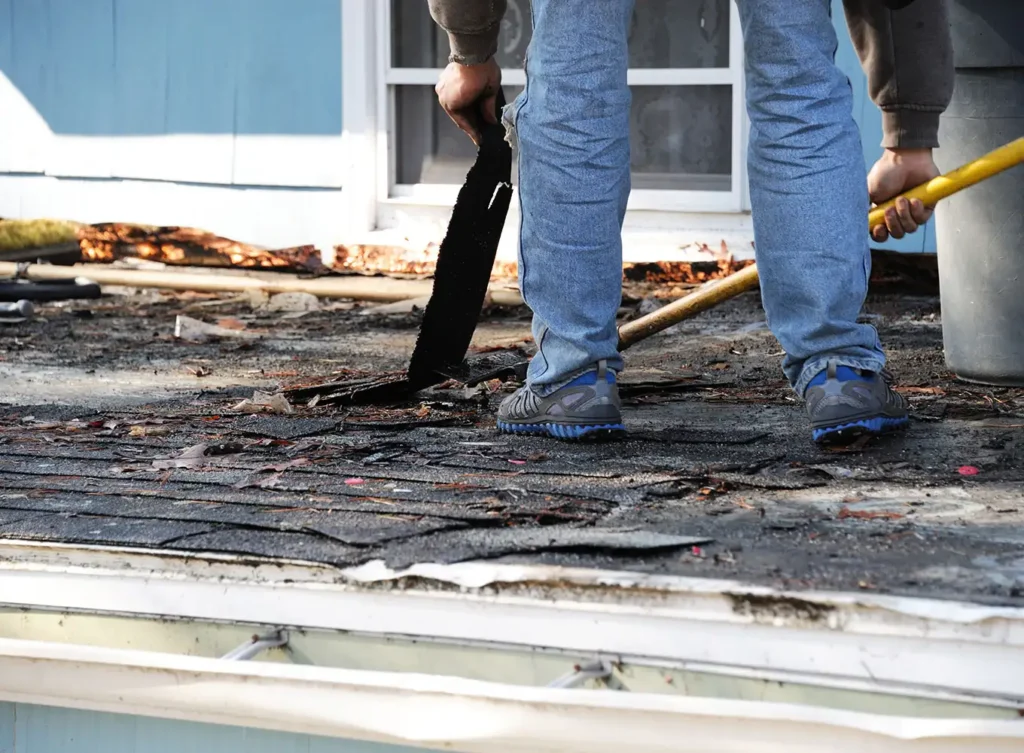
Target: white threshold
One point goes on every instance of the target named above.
(647, 235)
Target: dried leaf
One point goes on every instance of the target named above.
(191, 457)
(230, 322)
(149, 431)
(938, 391)
(258, 480)
(297, 463)
(197, 455)
(196, 331)
(263, 402)
(846, 512)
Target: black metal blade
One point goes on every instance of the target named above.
(464, 265)
(465, 261)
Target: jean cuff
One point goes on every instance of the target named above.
(817, 365)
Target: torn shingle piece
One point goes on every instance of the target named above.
(92, 529)
(275, 544)
(488, 543)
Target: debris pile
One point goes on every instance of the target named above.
(401, 260)
(183, 246)
(690, 273)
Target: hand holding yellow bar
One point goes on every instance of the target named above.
(714, 293)
(933, 191)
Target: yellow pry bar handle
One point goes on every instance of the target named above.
(746, 279)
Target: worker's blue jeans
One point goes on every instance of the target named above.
(808, 185)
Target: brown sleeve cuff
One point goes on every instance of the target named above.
(910, 129)
(473, 49)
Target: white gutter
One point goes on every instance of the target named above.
(888, 642)
(461, 715)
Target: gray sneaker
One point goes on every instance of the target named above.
(588, 407)
(845, 403)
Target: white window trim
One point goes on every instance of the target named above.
(360, 136)
(372, 199)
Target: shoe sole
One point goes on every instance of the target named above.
(845, 433)
(568, 432)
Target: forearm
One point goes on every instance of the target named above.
(472, 27)
(907, 56)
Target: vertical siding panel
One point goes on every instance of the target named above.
(42, 729)
(51, 730)
(140, 90)
(203, 57)
(9, 99)
(6, 727)
(82, 87)
(326, 745)
(24, 85)
(140, 73)
(290, 79)
(30, 34)
(202, 52)
(258, 741)
(6, 36)
(288, 129)
(165, 736)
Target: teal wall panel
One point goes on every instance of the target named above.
(234, 67)
(203, 40)
(141, 67)
(283, 47)
(81, 62)
(29, 66)
(145, 67)
(40, 729)
(6, 34)
(6, 727)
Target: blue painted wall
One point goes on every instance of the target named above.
(7, 727)
(218, 71)
(39, 729)
(144, 67)
(250, 90)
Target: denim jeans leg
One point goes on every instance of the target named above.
(808, 189)
(571, 126)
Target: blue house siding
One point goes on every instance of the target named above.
(7, 727)
(225, 114)
(39, 729)
(104, 74)
(150, 67)
(157, 111)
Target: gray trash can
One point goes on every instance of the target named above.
(980, 231)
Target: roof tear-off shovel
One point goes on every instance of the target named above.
(464, 264)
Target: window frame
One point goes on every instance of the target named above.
(369, 114)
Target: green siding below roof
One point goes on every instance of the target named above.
(41, 729)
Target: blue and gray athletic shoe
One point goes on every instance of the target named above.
(845, 403)
(588, 407)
